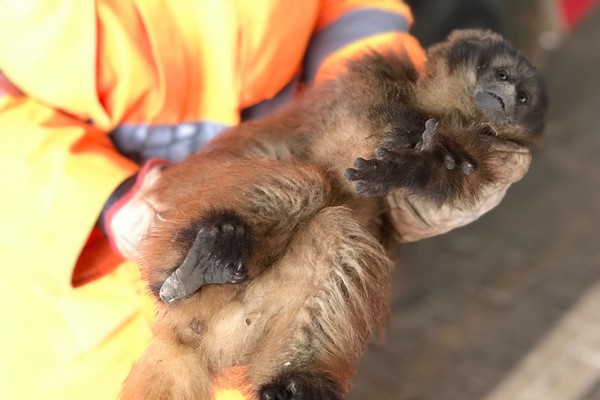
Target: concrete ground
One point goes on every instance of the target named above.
(508, 307)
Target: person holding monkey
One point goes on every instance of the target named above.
(92, 95)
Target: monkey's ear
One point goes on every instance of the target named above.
(470, 46)
(465, 52)
(460, 47)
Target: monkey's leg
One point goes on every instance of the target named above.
(307, 319)
(205, 236)
(167, 370)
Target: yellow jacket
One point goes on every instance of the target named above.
(75, 315)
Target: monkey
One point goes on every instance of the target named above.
(270, 246)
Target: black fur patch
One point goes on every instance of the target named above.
(301, 385)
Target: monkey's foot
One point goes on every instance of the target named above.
(300, 386)
(448, 152)
(221, 247)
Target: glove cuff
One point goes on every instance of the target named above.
(124, 194)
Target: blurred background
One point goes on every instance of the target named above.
(508, 307)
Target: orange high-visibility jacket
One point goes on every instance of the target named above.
(92, 76)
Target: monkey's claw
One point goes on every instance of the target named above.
(218, 255)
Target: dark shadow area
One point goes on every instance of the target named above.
(468, 305)
(434, 19)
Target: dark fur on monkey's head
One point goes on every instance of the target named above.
(479, 74)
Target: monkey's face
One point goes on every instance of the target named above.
(509, 92)
(506, 89)
(482, 76)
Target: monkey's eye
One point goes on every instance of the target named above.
(502, 74)
(522, 97)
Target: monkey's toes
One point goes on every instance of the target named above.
(218, 255)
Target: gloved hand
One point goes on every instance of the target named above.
(131, 210)
(415, 218)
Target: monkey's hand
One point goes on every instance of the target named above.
(448, 152)
(415, 217)
(218, 254)
(416, 169)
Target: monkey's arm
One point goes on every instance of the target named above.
(445, 168)
(206, 233)
(436, 168)
(438, 186)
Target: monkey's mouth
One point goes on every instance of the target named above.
(498, 98)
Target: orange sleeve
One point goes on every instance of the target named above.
(58, 172)
(346, 28)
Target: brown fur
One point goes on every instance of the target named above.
(318, 276)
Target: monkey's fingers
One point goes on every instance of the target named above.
(218, 255)
(465, 166)
(454, 155)
(370, 177)
(366, 170)
(428, 136)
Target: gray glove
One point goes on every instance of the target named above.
(415, 218)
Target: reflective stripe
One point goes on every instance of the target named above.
(268, 107)
(169, 142)
(350, 27)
